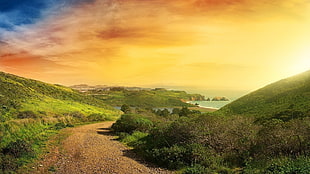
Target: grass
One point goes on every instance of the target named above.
(51, 106)
(32, 111)
(288, 97)
(145, 98)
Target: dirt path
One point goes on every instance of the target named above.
(91, 149)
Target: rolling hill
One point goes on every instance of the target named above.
(286, 99)
(139, 97)
(32, 111)
(19, 94)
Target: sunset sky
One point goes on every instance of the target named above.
(211, 44)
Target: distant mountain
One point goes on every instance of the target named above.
(139, 97)
(286, 99)
(19, 95)
(86, 88)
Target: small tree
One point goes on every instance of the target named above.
(176, 111)
(184, 112)
(125, 108)
(165, 112)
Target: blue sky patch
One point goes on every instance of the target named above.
(19, 12)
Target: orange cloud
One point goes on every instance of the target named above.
(143, 42)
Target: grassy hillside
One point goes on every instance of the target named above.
(19, 94)
(285, 99)
(145, 98)
(31, 111)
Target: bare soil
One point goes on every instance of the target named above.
(92, 149)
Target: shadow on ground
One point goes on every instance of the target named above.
(105, 131)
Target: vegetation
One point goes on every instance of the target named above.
(267, 131)
(202, 143)
(32, 111)
(286, 99)
(144, 98)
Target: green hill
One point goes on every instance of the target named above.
(286, 99)
(145, 98)
(19, 94)
(32, 111)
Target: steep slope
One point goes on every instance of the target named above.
(286, 99)
(19, 94)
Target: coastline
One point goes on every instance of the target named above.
(203, 109)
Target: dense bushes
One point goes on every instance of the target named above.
(132, 122)
(290, 166)
(208, 144)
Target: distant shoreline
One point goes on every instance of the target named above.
(212, 108)
(203, 109)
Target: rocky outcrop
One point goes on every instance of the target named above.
(197, 97)
(220, 99)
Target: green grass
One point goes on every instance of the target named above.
(286, 98)
(18, 94)
(31, 111)
(51, 106)
(146, 98)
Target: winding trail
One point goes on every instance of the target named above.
(91, 149)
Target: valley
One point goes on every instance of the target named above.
(266, 131)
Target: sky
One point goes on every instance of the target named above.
(207, 44)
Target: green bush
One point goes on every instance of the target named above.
(26, 114)
(289, 166)
(170, 157)
(217, 144)
(18, 149)
(196, 169)
(132, 122)
(135, 139)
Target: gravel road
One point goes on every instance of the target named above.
(91, 149)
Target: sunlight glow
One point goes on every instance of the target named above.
(302, 64)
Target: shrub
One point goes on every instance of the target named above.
(126, 109)
(195, 169)
(170, 157)
(288, 166)
(134, 139)
(18, 149)
(60, 125)
(7, 163)
(78, 115)
(132, 122)
(96, 117)
(27, 114)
